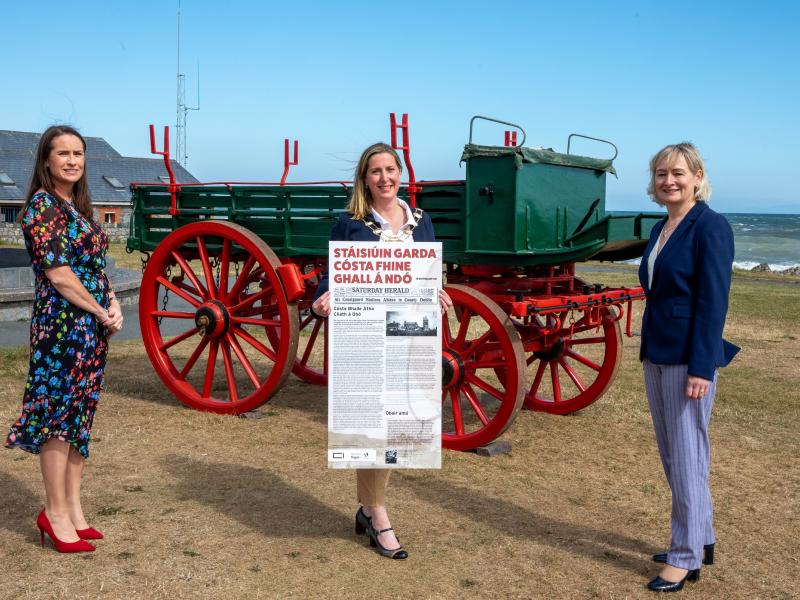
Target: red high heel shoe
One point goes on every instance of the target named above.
(90, 533)
(43, 523)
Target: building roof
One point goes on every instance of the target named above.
(109, 173)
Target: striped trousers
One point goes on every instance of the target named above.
(681, 428)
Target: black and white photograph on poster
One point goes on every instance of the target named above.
(405, 323)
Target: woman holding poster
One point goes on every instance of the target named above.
(375, 213)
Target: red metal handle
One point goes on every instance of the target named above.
(406, 149)
(172, 187)
(286, 162)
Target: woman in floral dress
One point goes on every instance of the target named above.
(74, 314)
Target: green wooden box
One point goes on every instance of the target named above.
(530, 201)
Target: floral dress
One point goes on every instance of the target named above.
(68, 345)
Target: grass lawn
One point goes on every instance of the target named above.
(204, 506)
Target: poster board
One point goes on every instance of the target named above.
(384, 353)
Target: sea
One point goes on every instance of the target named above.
(770, 239)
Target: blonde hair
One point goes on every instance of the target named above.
(361, 199)
(694, 161)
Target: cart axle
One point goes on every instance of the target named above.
(212, 319)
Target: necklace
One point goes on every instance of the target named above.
(667, 230)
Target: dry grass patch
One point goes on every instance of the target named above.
(202, 506)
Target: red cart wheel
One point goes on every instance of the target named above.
(311, 364)
(478, 338)
(577, 369)
(214, 284)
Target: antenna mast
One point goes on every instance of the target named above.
(182, 109)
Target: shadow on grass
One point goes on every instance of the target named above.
(20, 504)
(258, 498)
(304, 397)
(602, 546)
(129, 373)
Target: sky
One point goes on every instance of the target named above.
(721, 74)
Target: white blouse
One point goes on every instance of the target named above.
(651, 262)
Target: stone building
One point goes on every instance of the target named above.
(110, 175)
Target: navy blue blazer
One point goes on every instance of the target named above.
(686, 306)
(348, 230)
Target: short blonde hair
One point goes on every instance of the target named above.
(361, 200)
(694, 161)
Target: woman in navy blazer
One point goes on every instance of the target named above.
(375, 213)
(686, 275)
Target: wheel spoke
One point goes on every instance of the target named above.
(476, 344)
(263, 294)
(176, 290)
(188, 288)
(305, 322)
(187, 270)
(251, 321)
(572, 374)
(270, 354)
(224, 265)
(537, 380)
(209, 275)
(228, 362)
(248, 367)
(486, 364)
(463, 326)
(193, 358)
(311, 339)
(556, 382)
(486, 387)
(447, 336)
(171, 314)
(178, 339)
(582, 359)
(241, 280)
(469, 393)
(210, 366)
(458, 419)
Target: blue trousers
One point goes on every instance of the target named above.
(681, 428)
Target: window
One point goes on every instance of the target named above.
(163, 178)
(8, 214)
(110, 218)
(5, 179)
(114, 182)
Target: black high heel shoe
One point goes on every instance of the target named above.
(662, 585)
(362, 521)
(397, 553)
(708, 555)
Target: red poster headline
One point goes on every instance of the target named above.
(376, 264)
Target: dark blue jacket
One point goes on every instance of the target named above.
(686, 307)
(348, 230)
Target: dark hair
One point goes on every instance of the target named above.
(41, 179)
